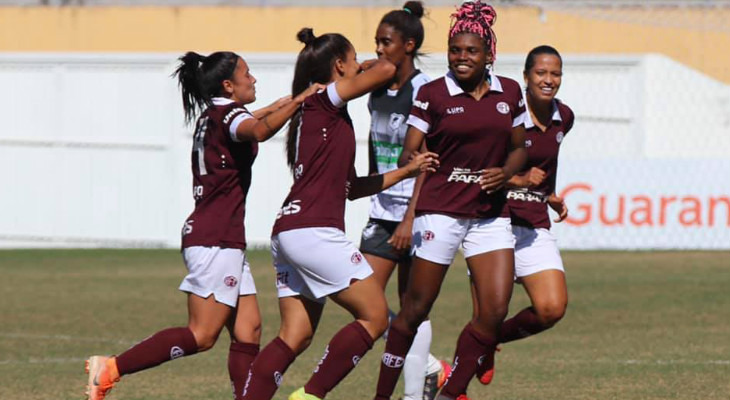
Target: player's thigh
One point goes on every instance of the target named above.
(382, 268)
(548, 292)
(300, 317)
(492, 274)
(245, 324)
(206, 318)
(365, 300)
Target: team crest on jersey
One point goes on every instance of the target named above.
(356, 258)
(428, 236)
(176, 352)
(230, 281)
(503, 107)
(559, 137)
(528, 143)
(396, 120)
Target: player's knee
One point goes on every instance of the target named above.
(298, 341)
(550, 312)
(248, 333)
(415, 314)
(205, 339)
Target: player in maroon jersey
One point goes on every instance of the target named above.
(221, 290)
(473, 119)
(312, 256)
(538, 266)
(386, 239)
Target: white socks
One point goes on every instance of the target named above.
(417, 360)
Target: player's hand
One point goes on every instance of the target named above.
(558, 205)
(281, 102)
(422, 162)
(312, 89)
(534, 177)
(492, 179)
(365, 65)
(401, 238)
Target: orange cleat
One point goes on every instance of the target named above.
(444, 373)
(485, 370)
(462, 397)
(103, 375)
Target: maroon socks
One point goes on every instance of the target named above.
(240, 357)
(161, 347)
(342, 354)
(470, 347)
(267, 370)
(522, 325)
(396, 348)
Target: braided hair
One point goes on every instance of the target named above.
(477, 18)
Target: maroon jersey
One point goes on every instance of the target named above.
(469, 136)
(221, 178)
(528, 207)
(324, 165)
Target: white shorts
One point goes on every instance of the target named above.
(535, 250)
(437, 237)
(316, 262)
(224, 273)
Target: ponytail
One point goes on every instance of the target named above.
(200, 78)
(188, 78)
(314, 65)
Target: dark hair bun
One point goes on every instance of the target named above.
(306, 36)
(415, 7)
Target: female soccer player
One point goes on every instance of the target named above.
(473, 119)
(538, 266)
(221, 290)
(386, 239)
(312, 256)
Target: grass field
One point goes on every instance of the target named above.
(652, 325)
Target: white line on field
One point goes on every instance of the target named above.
(67, 360)
(64, 338)
(672, 362)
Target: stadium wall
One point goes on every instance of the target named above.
(690, 35)
(103, 159)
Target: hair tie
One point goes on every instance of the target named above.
(408, 10)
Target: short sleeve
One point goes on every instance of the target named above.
(569, 119)
(421, 113)
(334, 97)
(519, 111)
(233, 119)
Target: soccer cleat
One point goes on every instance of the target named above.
(434, 381)
(462, 397)
(485, 370)
(300, 394)
(103, 375)
(444, 373)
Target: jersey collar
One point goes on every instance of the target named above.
(529, 123)
(221, 101)
(455, 89)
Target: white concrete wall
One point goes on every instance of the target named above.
(94, 151)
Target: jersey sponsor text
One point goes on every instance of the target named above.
(464, 175)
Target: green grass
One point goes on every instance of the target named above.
(653, 325)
